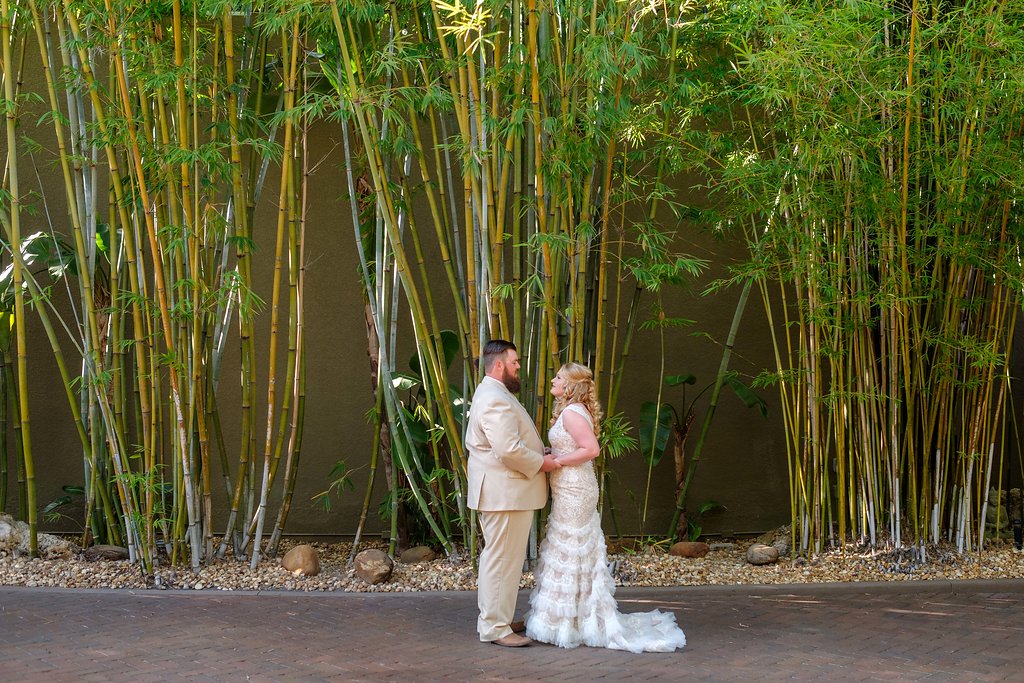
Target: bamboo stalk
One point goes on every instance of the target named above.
(21, 343)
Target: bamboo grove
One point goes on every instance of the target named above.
(510, 169)
(880, 152)
(163, 164)
(537, 232)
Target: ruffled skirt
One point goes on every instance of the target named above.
(573, 600)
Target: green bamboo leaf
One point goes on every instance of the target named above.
(460, 407)
(676, 380)
(102, 238)
(747, 395)
(414, 429)
(615, 439)
(708, 506)
(404, 381)
(450, 345)
(414, 367)
(55, 504)
(655, 427)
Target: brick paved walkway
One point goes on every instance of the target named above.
(937, 631)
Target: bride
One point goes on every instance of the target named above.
(573, 601)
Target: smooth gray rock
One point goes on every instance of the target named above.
(759, 554)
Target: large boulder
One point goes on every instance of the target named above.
(693, 549)
(374, 566)
(302, 559)
(16, 538)
(10, 536)
(51, 547)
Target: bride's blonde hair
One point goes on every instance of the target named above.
(579, 388)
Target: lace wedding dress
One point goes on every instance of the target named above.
(573, 601)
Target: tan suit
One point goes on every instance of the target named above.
(505, 486)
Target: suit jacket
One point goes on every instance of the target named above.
(505, 452)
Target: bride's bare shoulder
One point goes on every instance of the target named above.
(580, 409)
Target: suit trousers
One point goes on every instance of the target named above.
(506, 534)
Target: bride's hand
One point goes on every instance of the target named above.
(550, 463)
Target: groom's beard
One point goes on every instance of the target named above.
(511, 382)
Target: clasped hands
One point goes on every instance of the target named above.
(550, 461)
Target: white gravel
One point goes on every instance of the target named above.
(651, 567)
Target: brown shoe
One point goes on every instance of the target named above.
(513, 640)
(518, 626)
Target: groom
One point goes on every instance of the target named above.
(506, 484)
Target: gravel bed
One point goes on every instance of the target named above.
(650, 567)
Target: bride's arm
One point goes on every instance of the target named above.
(583, 434)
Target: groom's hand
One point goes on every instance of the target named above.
(550, 463)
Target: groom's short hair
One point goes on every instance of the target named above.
(495, 349)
